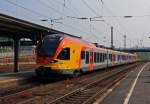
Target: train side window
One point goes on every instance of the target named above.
(110, 57)
(98, 55)
(95, 57)
(87, 57)
(105, 56)
(64, 54)
(118, 57)
(101, 57)
(82, 54)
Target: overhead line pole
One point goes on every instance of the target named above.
(125, 41)
(112, 46)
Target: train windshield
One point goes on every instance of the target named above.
(49, 45)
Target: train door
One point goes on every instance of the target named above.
(91, 60)
(82, 59)
(87, 59)
(113, 58)
(107, 58)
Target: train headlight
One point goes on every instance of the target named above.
(61, 63)
(54, 61)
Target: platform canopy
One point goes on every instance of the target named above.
(14, 27)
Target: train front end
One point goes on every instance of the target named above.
(47, 50)
(54, 56)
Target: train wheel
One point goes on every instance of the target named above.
(39, 73)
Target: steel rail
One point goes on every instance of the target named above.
(82, 95)
(43, 99)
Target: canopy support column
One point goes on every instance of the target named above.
(16, 54)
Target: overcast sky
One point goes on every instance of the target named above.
(112, 12)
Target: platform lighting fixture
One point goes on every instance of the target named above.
(92, 18)
(85, 18)
(112, 16)
(44, 20)
(97, 17)
(127, 16)
(96, 20)
(53, 20)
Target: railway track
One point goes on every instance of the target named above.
(88, 93)
(59, 91)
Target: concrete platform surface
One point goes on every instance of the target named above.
(9, 77)
(134, 89)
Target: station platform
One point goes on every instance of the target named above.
(8, 79)
(134, 89)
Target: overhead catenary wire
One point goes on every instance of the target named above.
(71, 5)
(27, 9)
(66, 16)
(115, 17)
(66, 6)
(93, 33)
(40, 14)
(79, 15)
(90, 8)
(47, 5)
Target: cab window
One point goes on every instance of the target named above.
(64, 54)
(82, 54)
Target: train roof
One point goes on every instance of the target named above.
(85, 43)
